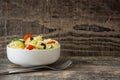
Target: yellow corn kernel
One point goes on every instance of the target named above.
(21, 46)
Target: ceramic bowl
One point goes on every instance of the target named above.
(33, 57)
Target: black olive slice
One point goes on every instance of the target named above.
(43, 45)
(31, 38)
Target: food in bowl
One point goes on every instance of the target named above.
(29, 42)
(32, 51)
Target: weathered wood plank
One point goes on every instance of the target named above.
(82, 39)
(81, 27)
(2, 27)
(56, 8)
(88, 68)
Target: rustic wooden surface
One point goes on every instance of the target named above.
(84, 28)
(83, 68)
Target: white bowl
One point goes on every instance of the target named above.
(33, 57)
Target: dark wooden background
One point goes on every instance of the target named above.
(83, 27)
(88, 31)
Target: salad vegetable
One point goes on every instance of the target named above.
(27, 36)
(30, 42)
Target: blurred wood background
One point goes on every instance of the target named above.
(83, 27)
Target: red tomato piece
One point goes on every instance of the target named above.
(30, 47)
(27, 36)
(51, 42)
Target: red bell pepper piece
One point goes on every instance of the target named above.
(30, 47)
(51, 42)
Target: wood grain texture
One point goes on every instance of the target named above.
(56, 8)
(83, 68)
(83, 27)
(76, 38)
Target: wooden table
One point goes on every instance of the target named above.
(83, 68)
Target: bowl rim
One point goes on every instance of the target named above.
(34, 49)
